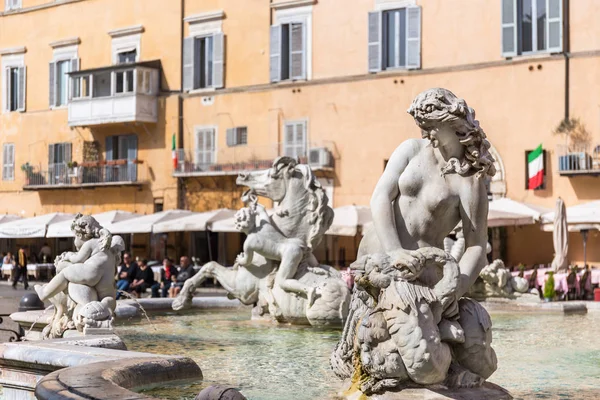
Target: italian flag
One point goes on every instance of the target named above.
(174, 152)
(535, 168)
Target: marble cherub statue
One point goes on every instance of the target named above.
(408, 323)
(83, 289)
(278, 273)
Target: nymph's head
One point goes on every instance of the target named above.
(440, 110)
(85, 227)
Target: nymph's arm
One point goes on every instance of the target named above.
(83, 254)
(473, 211)
(386, 192)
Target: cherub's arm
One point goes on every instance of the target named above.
(246, 257)
(83, 254)
(261, 213)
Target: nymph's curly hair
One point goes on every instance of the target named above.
(437, 105)
(86, 227)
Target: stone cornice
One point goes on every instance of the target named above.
(130, 30)
(205, 17)
(65, 42)
(280, 5)
(13, 50)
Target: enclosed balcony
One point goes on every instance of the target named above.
(88, 174)
(577, 160)
(233, 160)
(115, 94)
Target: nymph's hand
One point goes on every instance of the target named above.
(241, 259)
(408, 263)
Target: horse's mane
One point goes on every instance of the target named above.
(320, 215)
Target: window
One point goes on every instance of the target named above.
(294, 144)
(59, 80)
(237, 136)
(203, 62)
(394, 39)
(530, 26)
(59, 155)
(205, 146)
(125, 78)
(122, 147)
(8, 162)
(288, 51)
(15, 78)
(12, 5)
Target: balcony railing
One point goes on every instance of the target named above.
(115, 94)
(233, 160)
(110, 173)
(578, 159)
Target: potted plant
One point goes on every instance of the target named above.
(549, 291)
(28, 169)
(577, 141)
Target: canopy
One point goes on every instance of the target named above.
(146, 223)
(106, 219)
(501, 218)
(32, 227)
(507, 205)
(4, 218)
(348, 219)
(194, 222)
(580, 217)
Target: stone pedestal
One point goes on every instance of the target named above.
(488, 391)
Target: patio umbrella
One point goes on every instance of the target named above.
(193, 222)
(32, 227)
(560, 238)
(106, 219)
(348, 219)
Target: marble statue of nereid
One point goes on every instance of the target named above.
(277, 271)
(408, 323)
(83, 291)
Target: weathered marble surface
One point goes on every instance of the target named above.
(277, 271)
(83, 291)
(408, 323)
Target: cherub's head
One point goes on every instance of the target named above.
(85, 227)
(245, 220)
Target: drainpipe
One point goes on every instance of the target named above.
(180, 125)
(565, 52)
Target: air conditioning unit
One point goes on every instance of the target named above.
(319, 157)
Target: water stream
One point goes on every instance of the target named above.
(131, 297)
(37, 319)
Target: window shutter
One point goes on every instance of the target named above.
(218, 60)
(413, 37)
(375, 33)
(554, 29)
(51, 154)
(509, 28)
(301, 139)
(11, 163)
(67, 152)
(22, 88)
(6, 90)
(243, 135)
(52, 81)
(188, 63)
(5, 162)
(109, 148)
(288, 144)
(132, 147)
(231, 137)
(298, 51)
(275, 54)
(73, 83)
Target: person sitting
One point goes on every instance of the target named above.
(143, 279)
(186, 271)
(585, 283)
(572, 288)
(125, 273)
(167, 273)
(45, 253)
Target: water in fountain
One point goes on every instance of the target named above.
(36, 321)
(129, 296)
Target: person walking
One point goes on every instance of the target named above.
(21, 269)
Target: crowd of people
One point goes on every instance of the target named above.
(136, 277)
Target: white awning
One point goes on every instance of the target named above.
(582, 216)
(348, 219)
(145, 224)
(32, 227)
(4, 218)
(194, 222)
(500, 218)
(106, 219)
(507, 205)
